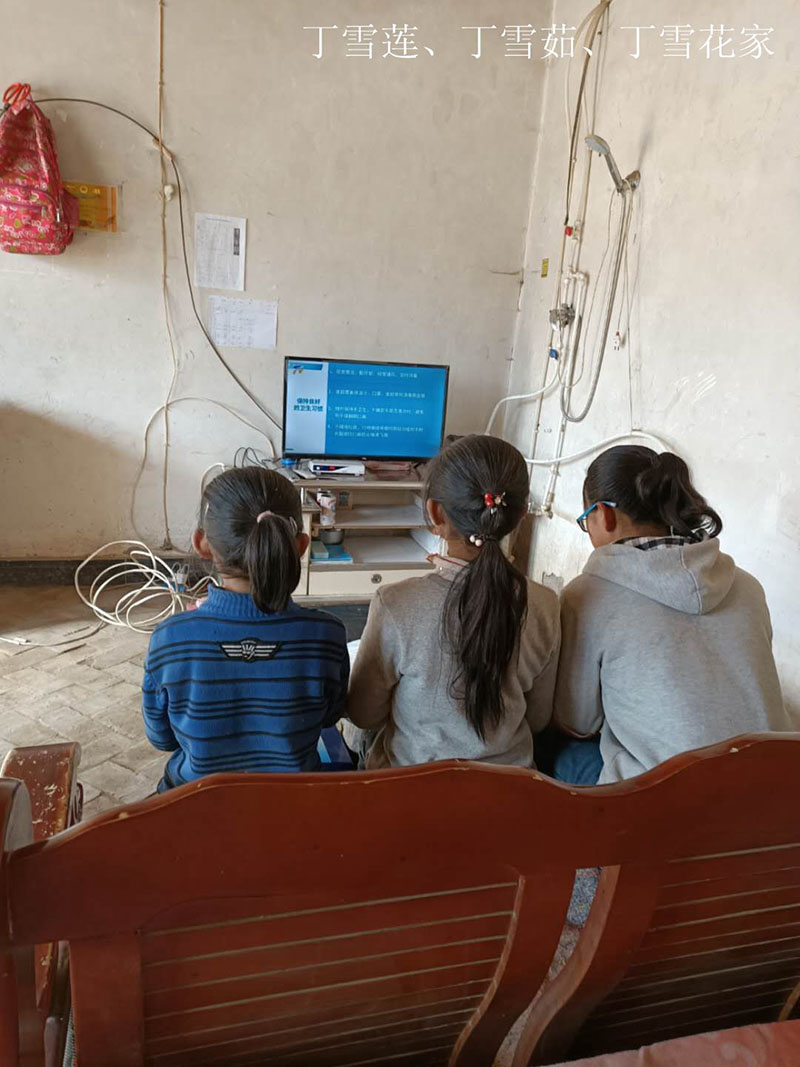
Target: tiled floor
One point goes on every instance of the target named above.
(86, 691)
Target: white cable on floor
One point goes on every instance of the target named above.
(80, 635)
(156, 582)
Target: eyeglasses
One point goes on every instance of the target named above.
(581, 519)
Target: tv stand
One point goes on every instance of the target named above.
(384, 529)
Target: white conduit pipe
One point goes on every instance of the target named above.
(520, 396)
(637, 435)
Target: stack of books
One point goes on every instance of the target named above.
(321, 553)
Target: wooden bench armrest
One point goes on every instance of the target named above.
(21, 1025)
(51, 774)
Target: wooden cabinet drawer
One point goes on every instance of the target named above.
(356, 583)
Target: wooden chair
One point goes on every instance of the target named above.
(399, 917)
(56, 799)
(696, 926)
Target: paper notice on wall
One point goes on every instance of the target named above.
(220, 244)
(237, 323)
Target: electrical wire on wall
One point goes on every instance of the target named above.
(582, 330)
(166, 154)
(158, 587)
(568, 316)
(247, 456)
(190, 287)
(185, 400)
(573, 285)
(162, 162)
(634, 435)
(548, 388)
(574, 344)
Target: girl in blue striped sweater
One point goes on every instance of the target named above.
(248, 680)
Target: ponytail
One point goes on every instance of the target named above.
(251, 517)
(484, 614)
(271, 561)
(652, 488)
(481, 483)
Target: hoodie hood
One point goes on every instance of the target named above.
(692, 578)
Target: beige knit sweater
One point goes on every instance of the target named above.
(400, 680)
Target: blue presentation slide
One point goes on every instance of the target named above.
(364, 409)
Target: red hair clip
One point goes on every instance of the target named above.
(494, 501)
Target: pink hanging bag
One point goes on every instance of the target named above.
(37, 215)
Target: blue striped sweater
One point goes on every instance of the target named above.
(228, 688)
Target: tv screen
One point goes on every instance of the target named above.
(339, 409)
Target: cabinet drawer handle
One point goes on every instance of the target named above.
(377, 579)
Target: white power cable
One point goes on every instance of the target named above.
(164, 284)
(172, 403)
(156, 582)
(635, 434)
(167, 157)
(247, 456)
(222, 466)
(80, 635)
(520, 396)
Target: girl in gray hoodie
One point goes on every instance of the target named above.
(666, 643)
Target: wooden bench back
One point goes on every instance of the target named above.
(699, 927)
(405, 917)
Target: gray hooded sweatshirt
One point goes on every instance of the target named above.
(664, 651)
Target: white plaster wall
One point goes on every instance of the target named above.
(387, 204)
(713, 365)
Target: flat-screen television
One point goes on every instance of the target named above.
(343, 409)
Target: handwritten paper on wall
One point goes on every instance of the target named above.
(220, 244)
(238, 323)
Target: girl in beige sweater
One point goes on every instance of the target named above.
(461, 663)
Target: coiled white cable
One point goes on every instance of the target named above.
(156, 582)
